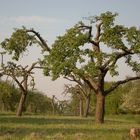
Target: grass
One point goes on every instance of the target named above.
(66, 128)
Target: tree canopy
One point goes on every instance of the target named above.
(87, 52)
(90, 53)
(71, 54)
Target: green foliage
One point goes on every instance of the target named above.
(65, 53)
(73, 53)
(107, 18)
(133, 63)
(131, 98)
(13, 69)
(15, 46)
(80, 94)
(113, 37)
(74, 104)
(37, 102)
(125, 99)
(18, 42)
(9, 96)
(113, 102)
(133, 38)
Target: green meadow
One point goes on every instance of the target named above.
(66, 128)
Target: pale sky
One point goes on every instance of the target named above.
(52, 17)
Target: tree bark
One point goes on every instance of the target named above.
(3, 106)
(100, 108)
(21, 104)
(81, 107)
(86, 111)
(53, 105)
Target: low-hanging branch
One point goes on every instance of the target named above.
(117, 56)
(116, 84)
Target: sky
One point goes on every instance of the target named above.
(52, 17)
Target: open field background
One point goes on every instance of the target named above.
(66, 128)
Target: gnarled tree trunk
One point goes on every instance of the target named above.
(100, 108)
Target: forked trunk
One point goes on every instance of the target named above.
(100, 108)
(21, 105)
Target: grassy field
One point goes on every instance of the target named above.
(66, 128)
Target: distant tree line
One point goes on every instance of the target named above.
(125, 99)
(36, 102)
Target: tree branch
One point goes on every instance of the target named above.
(116, 84)
(73, 79)
(90, 34)
(117, 56)
(39, 67)
(95, 42)
(44, 44)
(98, 32)
(92, 83)
(32, 67)
(82, 90)
(19, 84)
